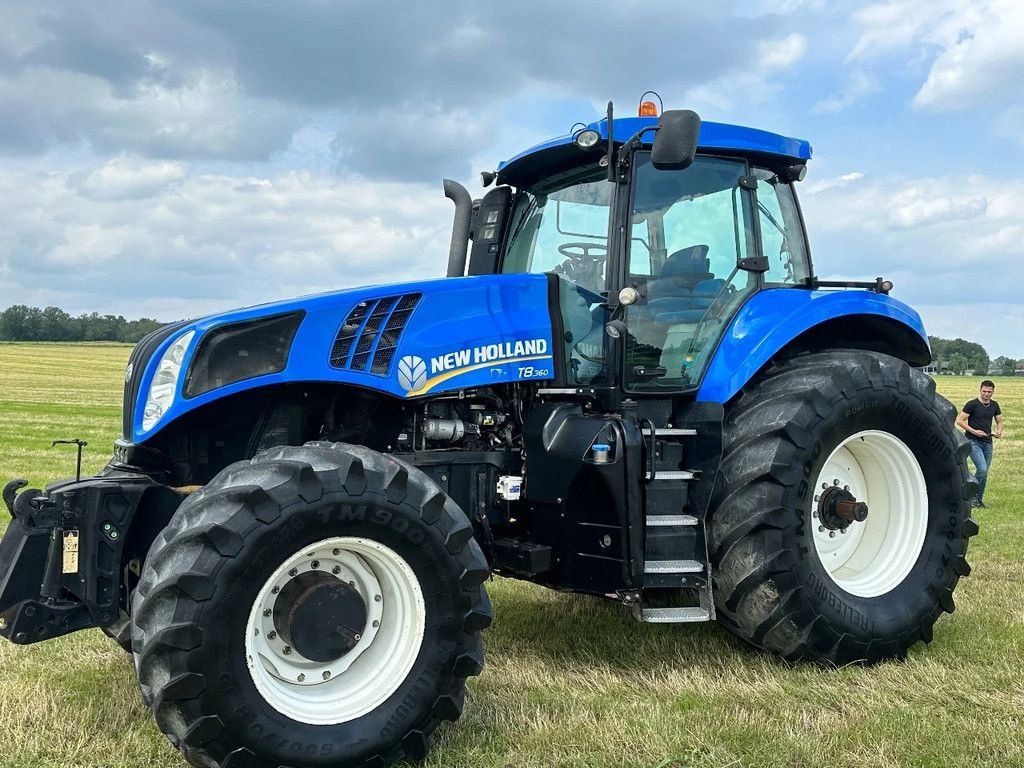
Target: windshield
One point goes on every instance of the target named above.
(563, 228)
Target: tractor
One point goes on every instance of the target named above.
(630, 384)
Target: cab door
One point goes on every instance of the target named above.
(692, 270)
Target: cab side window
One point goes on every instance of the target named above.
(782, 236)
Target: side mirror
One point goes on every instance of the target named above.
(675, 143)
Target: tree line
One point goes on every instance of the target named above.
(22, 323)
(959, 356)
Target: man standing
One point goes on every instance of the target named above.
(976, 422)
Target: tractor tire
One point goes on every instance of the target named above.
(848, 425)
(317, 605)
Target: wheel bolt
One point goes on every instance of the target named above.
(817, 498)
(275, 590)
(357, 637)
(326, 675)
(315, 564)
(824, 486)
(336, 570)
(835, 481)
(831, 534)
(266, 611)
(287, 650)
(336, 551)
(302, 678)
(846, 487)
(821, 529)
(814, 514)
(293, 572)
(271, 634)
(376, 598)
(376, 623)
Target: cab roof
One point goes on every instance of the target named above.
(527, 166)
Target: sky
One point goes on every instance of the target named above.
(171, 158)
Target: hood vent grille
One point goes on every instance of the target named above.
(368, 338)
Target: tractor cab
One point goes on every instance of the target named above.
(655, 244)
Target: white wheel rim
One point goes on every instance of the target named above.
(336, 692)
(873, 557)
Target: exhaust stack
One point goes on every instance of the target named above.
(460, 228)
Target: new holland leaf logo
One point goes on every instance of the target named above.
(412, 372)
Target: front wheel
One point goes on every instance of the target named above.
(841, 514)
(319, 605)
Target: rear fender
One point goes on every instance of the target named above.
(778, 320)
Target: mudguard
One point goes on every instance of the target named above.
(460, 332)
(773, 318)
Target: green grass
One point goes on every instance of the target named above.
(569, 680)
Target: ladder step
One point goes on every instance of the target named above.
(673, 615)
(673, 566)
(681, 474)
(672, 432)
(656, 520)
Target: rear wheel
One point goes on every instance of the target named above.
(316, 606)
(840, 522)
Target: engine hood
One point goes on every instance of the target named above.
(408, 340)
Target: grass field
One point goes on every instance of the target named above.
(569, 680)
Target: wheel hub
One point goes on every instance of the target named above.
(838, 508)
(321, 617)
(335, 630)
(869, 556)
(318, 615)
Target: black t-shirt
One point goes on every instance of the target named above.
(979, 416)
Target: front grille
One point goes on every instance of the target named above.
(368, 338)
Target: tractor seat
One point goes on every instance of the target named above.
(684, 288)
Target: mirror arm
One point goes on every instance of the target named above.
(626, 151)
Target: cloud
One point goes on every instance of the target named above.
(125, 178)
(782, 53)
(820, 185)
(157, 235)
(889, 26)
(207, 116)
(858, 85)
(942, 240)
(975, 50)
(982, 61)
(920, 205)
(183, 79)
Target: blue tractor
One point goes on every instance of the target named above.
(630, 384)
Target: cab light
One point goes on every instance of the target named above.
(587, 139)
(648, 109)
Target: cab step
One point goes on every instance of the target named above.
(677, 474)
(663, 520)
(680, 615)
(673, 566)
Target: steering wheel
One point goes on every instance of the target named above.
(580, 252)
(583, 262)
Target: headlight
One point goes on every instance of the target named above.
(165, 381)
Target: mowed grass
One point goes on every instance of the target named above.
(569, 680)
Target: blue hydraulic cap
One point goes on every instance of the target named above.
(713, 136)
